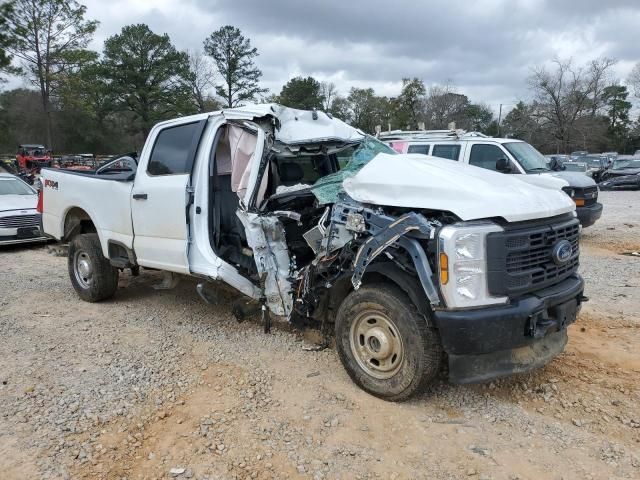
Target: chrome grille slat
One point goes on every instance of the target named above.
(19, 221)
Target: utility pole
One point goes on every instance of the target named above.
(499, 119)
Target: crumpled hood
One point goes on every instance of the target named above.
(299, 126)
(18, 202)
(471, 193)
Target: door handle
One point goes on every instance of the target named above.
(140, 196)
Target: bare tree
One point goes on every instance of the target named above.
(328, 92)
(202, 78)
(598, 78)
(567, 93)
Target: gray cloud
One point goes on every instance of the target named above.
(482, 46)
(487, 48)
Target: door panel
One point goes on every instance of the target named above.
(159, 197)
(159, 221)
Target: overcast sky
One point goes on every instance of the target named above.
(486, 48)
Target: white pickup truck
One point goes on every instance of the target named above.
(314, 220)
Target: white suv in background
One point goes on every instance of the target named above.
(505, 155)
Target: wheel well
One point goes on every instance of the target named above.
(77, 221)
(381, 272)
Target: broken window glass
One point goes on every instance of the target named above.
(326, 189)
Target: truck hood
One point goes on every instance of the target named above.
(469, 192)
(557, 180)
(574, 179)
(543, 180)
(18, 202)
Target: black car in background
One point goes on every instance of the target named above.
(624, 173)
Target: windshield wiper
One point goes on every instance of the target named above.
(538, 169)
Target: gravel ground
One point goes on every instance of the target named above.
(156, 384)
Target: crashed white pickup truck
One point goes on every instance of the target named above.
(411, 262)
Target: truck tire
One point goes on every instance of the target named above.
(92, 275)
(388, 348)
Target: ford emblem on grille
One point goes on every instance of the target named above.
(561, 252)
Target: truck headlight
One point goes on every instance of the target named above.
(463, 265)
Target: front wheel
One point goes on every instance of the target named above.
(386, 346)
(92, 275)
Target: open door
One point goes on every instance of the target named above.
(160, 198)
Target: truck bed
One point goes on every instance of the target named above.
(105, 199)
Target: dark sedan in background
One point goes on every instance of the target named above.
(623, 174)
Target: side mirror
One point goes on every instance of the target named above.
(503, 165)
(556, 165)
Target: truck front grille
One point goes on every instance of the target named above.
(520, 261)
(19, 221)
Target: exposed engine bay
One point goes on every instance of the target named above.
(306, 237)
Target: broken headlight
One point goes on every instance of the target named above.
(463, 265)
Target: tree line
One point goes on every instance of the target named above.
(105, 102)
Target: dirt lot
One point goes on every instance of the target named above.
(153, 381)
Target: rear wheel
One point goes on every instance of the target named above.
(386, 346)
(92, 275)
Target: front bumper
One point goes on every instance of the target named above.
(589, 214)
(12, 236)
(497, 341)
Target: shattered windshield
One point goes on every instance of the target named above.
(351, 160)
(528, 157)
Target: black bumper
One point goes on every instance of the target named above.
(588, 215)
(497, 341)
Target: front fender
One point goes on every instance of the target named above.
(385, 233)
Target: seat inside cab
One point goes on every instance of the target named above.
(285, 186)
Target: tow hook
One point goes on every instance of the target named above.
(539, 326)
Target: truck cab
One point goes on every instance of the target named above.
(409, 263)
(503, 155)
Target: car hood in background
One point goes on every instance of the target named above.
(623, 172)
(574, 179)
(471, 193)
(620, 181)
(17, 202)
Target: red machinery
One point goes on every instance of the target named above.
(33, 156)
